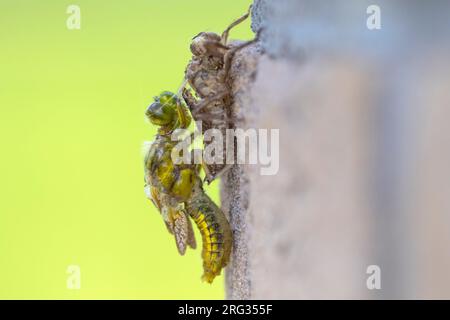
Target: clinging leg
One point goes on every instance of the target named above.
(228, 58)
(224, 37)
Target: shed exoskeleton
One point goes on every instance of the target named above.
(208, 90)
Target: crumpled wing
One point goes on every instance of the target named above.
(180, 229)
(177, 222)
(191, 237)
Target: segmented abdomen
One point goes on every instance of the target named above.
(215, 231)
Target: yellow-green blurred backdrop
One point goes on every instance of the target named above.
(72, 126)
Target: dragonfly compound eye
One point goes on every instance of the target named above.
(163, 111)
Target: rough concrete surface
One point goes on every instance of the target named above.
(364, 175)
(235, 184)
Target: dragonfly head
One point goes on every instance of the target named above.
(163, 111)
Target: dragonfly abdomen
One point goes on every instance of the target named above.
(215, 231)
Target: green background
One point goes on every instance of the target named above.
(72, 126)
